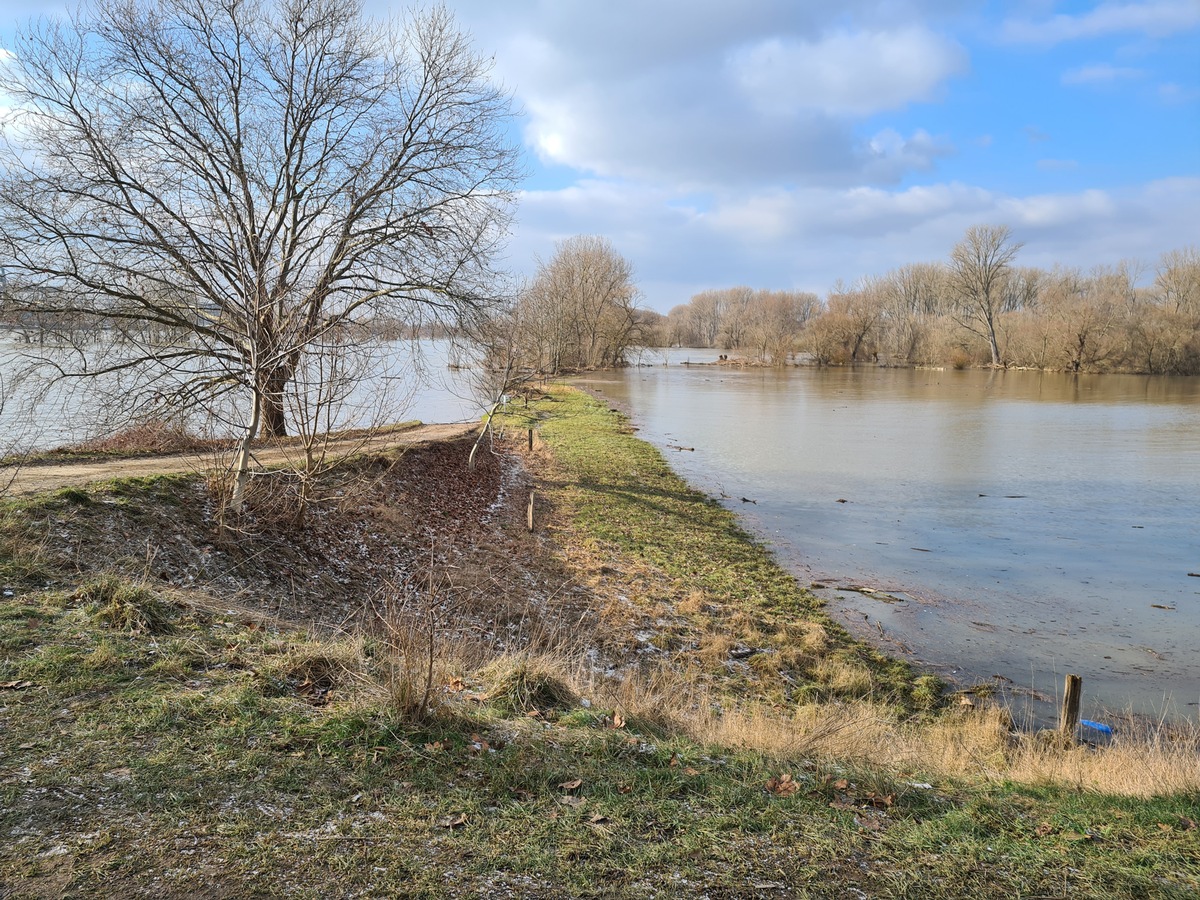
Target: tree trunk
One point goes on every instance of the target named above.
(242, 460)
(270, 397)
(992, 345)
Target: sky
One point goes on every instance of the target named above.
(790, 144)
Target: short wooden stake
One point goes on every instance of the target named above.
(529, 512)
(530, 438)
(1072, 694)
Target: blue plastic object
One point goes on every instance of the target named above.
(1096, 726)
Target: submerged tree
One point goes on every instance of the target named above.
(580, 311)
(235, 182)
(979, 265)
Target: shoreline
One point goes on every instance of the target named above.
(1035, 705)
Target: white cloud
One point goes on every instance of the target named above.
(809, 237)
(1158, 18)
(846, 73)
(1102, 73)
(690, 93)
(889, 156)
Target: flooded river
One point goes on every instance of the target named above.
(1023, 525)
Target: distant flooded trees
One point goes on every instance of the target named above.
(579, 312)
(765, 323)
(979, 308)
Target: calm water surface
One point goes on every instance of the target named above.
(1035, 523)
(400, 380)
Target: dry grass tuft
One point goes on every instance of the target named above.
(692, 604)
(845, 678)
(154, 436)
(125, 606)
(530, 682)
(1164, 761)
(974, 745)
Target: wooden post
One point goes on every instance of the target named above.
(1072, 694)
(529, 512)
(531, 439)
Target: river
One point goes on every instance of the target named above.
(397, 380)
(1029, 524)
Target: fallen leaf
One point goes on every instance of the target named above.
(534, 714)
(457, 685)
(690, 771)
(618, 720)
(571, 785)
(452, 822)
(870, 823)
(435, 746)
(599, 819)
(1187, 824)
(783, 786)
(572, 800)
(522, 795)
(1076, 836)
(1163, 826)
(624, 788)
(841, 784)
(1044, 829)
(884, 802)
(674, 760)
(15, 685)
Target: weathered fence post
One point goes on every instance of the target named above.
(531, 439)
(1072, 694)
(529, 512)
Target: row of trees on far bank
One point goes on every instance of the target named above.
(979, 308)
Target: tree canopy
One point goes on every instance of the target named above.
(235, 184)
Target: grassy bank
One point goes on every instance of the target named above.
(667, 715)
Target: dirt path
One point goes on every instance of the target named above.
(38, 477)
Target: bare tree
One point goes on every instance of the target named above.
(240, 180)
(979, 265)
(774, 320)
(580, 311)
(1177, 281)
(707, 310)
(859, 311)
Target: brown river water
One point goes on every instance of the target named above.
(1022, 525)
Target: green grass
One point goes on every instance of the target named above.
(624, 498)
(269, 793)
